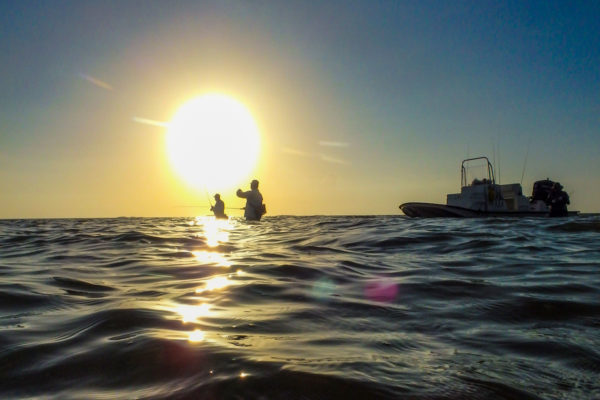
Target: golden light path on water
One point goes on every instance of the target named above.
(215, 235)
(218, 282)
(214, 232)
(196, 336)
(211, 257)
(193, 313)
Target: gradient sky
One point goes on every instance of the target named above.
(361, 105)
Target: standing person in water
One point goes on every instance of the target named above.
(219, 207)
(255, 208)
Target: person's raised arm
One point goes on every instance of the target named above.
(241, 194)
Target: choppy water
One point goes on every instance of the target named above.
(300, 308)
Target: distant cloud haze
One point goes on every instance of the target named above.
(333, 160)
(295, 152)
(333, 144)
(323, 157)
(96, 82)
(152, 122)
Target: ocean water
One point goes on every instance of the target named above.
(375, 307)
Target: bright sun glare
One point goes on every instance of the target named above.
(213, 142)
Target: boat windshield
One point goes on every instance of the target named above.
(476, 171)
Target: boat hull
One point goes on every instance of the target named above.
(431, 210)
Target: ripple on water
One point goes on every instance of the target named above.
(300, 307)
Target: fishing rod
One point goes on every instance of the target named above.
(208, 197)
(205, 206)
(210, 202)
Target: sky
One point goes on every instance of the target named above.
(360, 105)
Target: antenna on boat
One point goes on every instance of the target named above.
(494, 155)
(498, 150)
(525, 162)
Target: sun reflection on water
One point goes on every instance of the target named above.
(218, 282)
(211, 257)
(196, 336)
(215, 231)
(190, 313)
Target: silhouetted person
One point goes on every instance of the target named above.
(219, 207)
(558, 200)
(255, 208)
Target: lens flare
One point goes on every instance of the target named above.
(323, 289)
(381, 290)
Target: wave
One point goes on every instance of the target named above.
(300, 307)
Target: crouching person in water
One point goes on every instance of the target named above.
(255, 208)
(558, 200)
(219, 208)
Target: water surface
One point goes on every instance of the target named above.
(300, 308)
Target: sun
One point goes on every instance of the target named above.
(213, 142)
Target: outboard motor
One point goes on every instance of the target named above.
(541, 191)
(558, 200)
